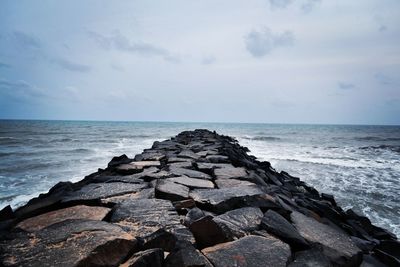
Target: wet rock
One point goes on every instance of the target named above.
(193, 215)
(227, 183)
(240, 222)
(310, 258)
(184, 164)
(190, 173)
(103, 190)
(188, 154)
(144, 193)
(142, 217)
(150, 156)
(217, 159)
(147, 258)
(230, 172)
(388, 251)
(6, 213)
(207, 232)
(135, 166)
(221, 200)
(208, 167)
(336, 244)
(123, 159)
(249, 251)
(370, 261)
(76, 212)
(69, 243)
(192, 182)
(167, 189)
(187, 256)
(159, 239)
(277, 225)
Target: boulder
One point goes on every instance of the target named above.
(310, 258)
(149, 156)
(249, 251)
(192, 182)
(135, 166)
(336, 244)
(147, 258)
(222, 200)
(227, 183)
(240, 222)
(167, 189)
(207, 232)
(217, 159)
(188, 154)
(277, 225)
(230, 172)
(193, 215)
(159, 239)
(76, 212)
(103, 190)
(187, 256)
(69, 243)
(190, 173)
(142, 217)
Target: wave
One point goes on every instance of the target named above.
(262, 138)
(382, 147)
(377, 138)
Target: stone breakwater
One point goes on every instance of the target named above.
(197, 199)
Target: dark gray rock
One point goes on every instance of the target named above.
(150, 156)
(370, 261)
(230, 172)
(69, 243)
(336, 244)
(217, 159)
(207, 232)
(103, 190)
(188, 154)
(249, 251)
(167, 189)
(142, 217)
(277, 225)
(240, 222)
(221, 200)
(135, 166)
(192, 182)
(147, 258)
(227, 183)
(159, 239)
(310, 258)
(193, 215)
(187, 256)
(190, 173)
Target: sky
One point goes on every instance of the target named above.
(273, 61)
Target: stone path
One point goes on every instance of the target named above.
(197, 199)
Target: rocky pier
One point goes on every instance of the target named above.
(197, 199)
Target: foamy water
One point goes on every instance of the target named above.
(360, 165)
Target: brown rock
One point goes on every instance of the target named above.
(76, 212)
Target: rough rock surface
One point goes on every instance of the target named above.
(197, 199)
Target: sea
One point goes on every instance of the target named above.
(359, 165)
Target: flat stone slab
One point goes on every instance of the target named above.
(188, 172)
(76, 212)
(135, 166)
(337, 245)
(192, 182)
(240, 222)
(69, 243)
(103, 190)
(208, 166)
(227, 183)
(147, 258)
(224, 199)
(142, 217)
(277, 225)
(310, 258)
(167, 189)
(188, 154)
(230, 172)
(249, 251)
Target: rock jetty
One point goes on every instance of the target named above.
(197, 199)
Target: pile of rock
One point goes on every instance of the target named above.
(197, 199)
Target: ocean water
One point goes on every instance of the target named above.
(360, 165)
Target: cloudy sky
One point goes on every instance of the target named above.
(280, 61)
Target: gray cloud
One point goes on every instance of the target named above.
(280, 3)
(4, 65)
(346, 85)
(20, 90)
(309, 5)
(120, 42)
(384, 79)
(207, 60)
(69, 65)
(26, 40)
(262, 42)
